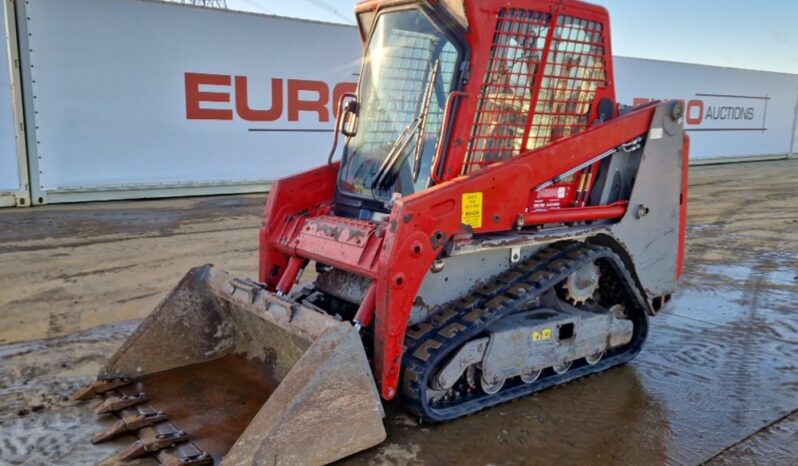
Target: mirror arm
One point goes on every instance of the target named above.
(339, 123)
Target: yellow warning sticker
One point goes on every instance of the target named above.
(541, 335)
(472, 210)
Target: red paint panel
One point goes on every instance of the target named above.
(347, 244)
(295, 264)
(291, 199)
(505, 187)
(365, 313)
(579, 214)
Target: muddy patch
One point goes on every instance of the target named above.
(39, 424)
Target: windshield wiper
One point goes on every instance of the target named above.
(419, 152)
(394, 155)
(396, 151)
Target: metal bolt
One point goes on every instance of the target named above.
(677, 110)
(438, 266)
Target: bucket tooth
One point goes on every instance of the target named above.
(152, 439)
(98, 387)
(117, 429)
(251, 377)
(132, 419)
(184, 454)
(120, 402)
(135, 450)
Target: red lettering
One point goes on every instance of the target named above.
(319, 105)
(695, 112)
(194, 97)
(298, 99)
(242, 101)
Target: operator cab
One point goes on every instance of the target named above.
(439, 98)
(414, 59)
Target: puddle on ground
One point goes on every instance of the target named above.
(719, 365)
(783, 277)
(733, 272)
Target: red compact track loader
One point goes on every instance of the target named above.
(497, 224)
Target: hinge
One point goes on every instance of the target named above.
(16, 63)
(465, 70)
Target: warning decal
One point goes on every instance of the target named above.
(542, 335)
(472, 210)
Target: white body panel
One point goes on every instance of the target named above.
(110, 108)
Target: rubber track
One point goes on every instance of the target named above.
(429, 343)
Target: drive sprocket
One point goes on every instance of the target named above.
(581, 286)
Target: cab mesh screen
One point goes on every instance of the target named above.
(574, 70)
(510, 118)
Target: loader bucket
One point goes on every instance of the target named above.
(224, 371)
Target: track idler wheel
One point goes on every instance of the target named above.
(594, 359)
(531, 377)
(560, 369)
(491, 387)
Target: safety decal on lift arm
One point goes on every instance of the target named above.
(472, 210)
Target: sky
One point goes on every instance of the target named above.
(735, 33)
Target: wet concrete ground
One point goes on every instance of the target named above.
(717, 382)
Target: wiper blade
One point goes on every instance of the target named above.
(396, 151)
(419, 152)
(394, 155)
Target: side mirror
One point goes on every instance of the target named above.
(349, 118)
(345, 120)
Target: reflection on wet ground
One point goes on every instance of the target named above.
(720, 364)
(717, 381)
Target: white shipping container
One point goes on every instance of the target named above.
(730, 112)
(10, 182)
(137, 98)
(136, 95)
(795, 134)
